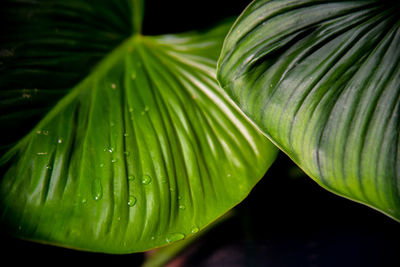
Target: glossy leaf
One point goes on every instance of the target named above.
(322, 80)
(143, 152)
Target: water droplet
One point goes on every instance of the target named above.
(84, 200)
(153, 238)
(59, 141)
(131, 177)
(182, 207)
(113, 86)
(172, 189)
(41, 153)
(126, 153)
(114, 160)
(38, 131)
(109, 149)
(101, 165)
(130, 109)
(146, 179)
(174, 237)
(194, 230)
(146, 109)
(133, 75)
(45, 132)
(97, 189)
(228, 175)
(132, 201)
(126, 134)
(48, 167)
(179, 197)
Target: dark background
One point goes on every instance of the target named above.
(287, 220)
(183, 15)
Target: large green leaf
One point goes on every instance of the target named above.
(145, 151)
(322, 80)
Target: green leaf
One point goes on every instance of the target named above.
(322, 80)
(145, 151)
(47, 47)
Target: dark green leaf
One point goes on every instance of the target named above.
(47, 46)
(322, 80)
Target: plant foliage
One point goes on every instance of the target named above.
(322, 80)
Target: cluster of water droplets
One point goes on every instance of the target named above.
(97, 188)
(46, 133)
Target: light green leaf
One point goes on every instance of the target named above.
(145, 151)
(322, 80)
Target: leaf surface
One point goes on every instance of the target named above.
(322, 80)
(145, 151)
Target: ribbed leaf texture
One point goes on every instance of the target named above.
(144, 151)
(322, 80)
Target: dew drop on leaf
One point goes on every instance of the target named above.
(174, 237)
(194, 230)
(146, 179)
(132, 201)
(131, 177)
(97, 189)
(59, 141)
(114, 160)
(145, 110)
(182, 207)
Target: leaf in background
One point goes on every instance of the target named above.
(46, 47)
(145, 151)
(322, 80)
